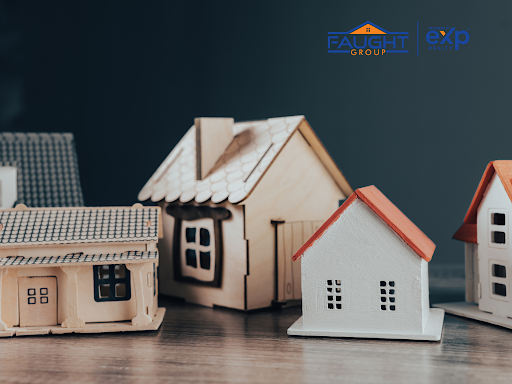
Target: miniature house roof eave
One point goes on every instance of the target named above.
(503, 168)
(240, 168)
(387, 211)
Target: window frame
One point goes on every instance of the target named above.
(497, 228)
(190, 213)
(111, 281)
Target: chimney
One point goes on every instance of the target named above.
(8, 190)
(213, 136)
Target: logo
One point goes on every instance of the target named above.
(446, 38)
(367, 39)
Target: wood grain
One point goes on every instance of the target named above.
(203, 345)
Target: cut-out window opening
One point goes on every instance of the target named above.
(498, 218)
(111, 283)
(31, 300)
(499, 289)
(44, 300)
(334, 301)
(387, 295)
(499, 270)
(191, 254)
(498, 237)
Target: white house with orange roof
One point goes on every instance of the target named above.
(237, 200)
(486, 233)
(365, 274)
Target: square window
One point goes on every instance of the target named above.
(498, 218)
(190, 235)
(383, 299)
(382, 291)
(338, 282)
(329, 289)
(31, 300)
(31, 292)
(204, 237)
(204, 260)
(104, 271)
(120, 271)
(499, 270)
(329, 282)
(391, 291)
(338, 298)
(338, 306)
(104, 291)
(498, 237)
(391, 307)
(120, 290)
(44, 300)
(499, 289)
(43, 291)
(392, 299)
(330, 306)
(382, 283)
(338, 290)
(383, 307)
(391, 283)
(191, 258)
(330, 298)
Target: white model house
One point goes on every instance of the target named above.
(486, 233)
(238, 199)
(365, 274)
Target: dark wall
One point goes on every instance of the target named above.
(127, 78)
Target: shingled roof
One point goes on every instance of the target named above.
(255, 146)
(47, 168)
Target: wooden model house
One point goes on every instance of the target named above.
(237, 200)
(486, 233)
(82, 270)
(39, 170)
(365, 274)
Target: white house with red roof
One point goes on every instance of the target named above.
(238, 199)
(486, 234)
(365, 274)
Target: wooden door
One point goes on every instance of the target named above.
(290, 237)
(38, 301)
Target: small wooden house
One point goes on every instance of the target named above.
(365, 274)
(82, 270)
(486, 234)
(237, 200)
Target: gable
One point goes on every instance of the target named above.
(368, 29)
(255, 146)
(503, 168)
(388, 212)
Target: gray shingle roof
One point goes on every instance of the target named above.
(78, 225)
(19, 261)
(47, 168)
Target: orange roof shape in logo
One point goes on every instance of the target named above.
(368, 28)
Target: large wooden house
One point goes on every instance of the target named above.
(237, 200)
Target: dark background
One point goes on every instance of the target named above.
(128, 78)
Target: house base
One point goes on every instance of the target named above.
(471, 311)
(432, 332)
(119, 326)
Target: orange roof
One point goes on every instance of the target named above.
(467, 232)
(388, 212)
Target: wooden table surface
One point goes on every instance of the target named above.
(204, 345)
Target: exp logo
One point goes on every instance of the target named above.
(367, 39)
(444, 39)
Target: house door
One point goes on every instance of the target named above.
(38, 301)
(289, 238)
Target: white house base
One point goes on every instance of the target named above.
(120, 326)
(471, 311)
(433, 330)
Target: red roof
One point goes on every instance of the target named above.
(388, 212)
(467, 232)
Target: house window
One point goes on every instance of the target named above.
(499, 270)
(334, 294)
(197, 243)
(111, 283)
(499, 289)
(387, 295)
(498, 280)
(367, 29)
(498, 228)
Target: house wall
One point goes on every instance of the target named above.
(361, 250)
(472, 275)
(231, 293)
(296, 187)
(495, 197)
